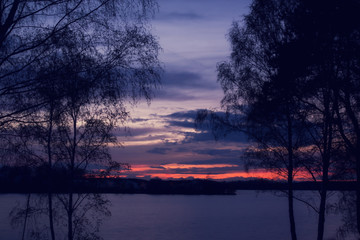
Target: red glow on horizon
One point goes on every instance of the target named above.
(168, 171)
(222, 176)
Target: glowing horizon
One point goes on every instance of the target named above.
(205, 171)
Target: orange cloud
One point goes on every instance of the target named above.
(223, 176)
(191, 166)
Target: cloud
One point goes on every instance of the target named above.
(179, 16)
(135, 131)
(187, 80)
(206, 131)
(136, 120)
(219, 152)
(183, 115)
(183, 149)
(174, 95)
(207, 135)
(184, 86)
(157, 167)
(159, 150)
(220, 160)
(184, 124)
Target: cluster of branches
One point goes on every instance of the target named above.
(292, 84)
(67, 70)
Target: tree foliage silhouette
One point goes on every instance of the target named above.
(67, 71)
(30, 32)
(256, 86)
(84, 61)
(284, 86)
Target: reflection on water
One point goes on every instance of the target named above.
(248, 215)
(346, 206)
(60, 216)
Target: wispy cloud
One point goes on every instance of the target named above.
(182, 85)
(187, 80)
(159, 150)
(219, 152)
(171, 16)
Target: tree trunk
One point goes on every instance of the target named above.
(72, 169)
(321, 222)
(51, 217)
(291, 213)
(358, 187)
(74, 145)
(26, 215)
(50, 177)
(327, 137)
(290, 178)
(324, 187)
(70, 215)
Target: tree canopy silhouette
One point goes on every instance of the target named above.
(67, 71)
(285, 86)
(114, 32)
(67, 78)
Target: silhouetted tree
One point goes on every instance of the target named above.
(68, 99)
(336, 48)
(282, 85)
(30, 30)
(83, 83)
(257, 84)
(331, 38)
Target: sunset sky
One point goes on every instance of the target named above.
(162, 141)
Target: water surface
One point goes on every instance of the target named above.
(247, 215)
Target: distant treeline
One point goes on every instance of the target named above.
(24, 180)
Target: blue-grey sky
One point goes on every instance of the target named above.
(162, 140)
(193, 37)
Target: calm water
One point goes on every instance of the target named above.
(247, 215)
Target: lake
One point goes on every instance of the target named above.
(248, 215)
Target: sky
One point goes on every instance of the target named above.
(161, 139)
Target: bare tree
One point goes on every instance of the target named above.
(61, 107)
(30, 30)
(85, 76)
